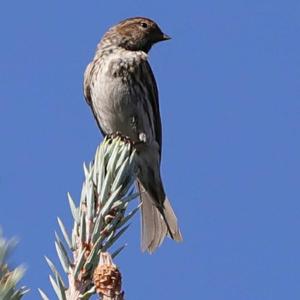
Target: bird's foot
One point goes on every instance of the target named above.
(124, 138)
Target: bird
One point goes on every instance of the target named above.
(121, 90)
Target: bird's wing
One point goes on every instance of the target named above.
(86, 84)
(151, 86)
(87, 91)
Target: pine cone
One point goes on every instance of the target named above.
(107, 279)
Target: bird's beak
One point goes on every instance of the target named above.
(159, 37)
(165, 37)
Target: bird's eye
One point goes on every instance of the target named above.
(144, 25)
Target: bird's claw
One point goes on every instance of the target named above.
(126, 139)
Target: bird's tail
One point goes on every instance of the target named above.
(157, 223)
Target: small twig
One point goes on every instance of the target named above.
(10, 277)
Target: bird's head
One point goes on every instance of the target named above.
(136, 34)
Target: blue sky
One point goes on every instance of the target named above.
(229, 84)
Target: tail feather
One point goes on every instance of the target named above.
(171, 221)
(156, 225)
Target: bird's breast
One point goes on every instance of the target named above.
(123, 63)
(116, 95)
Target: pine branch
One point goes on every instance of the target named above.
(9, 279)
(99, 221)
